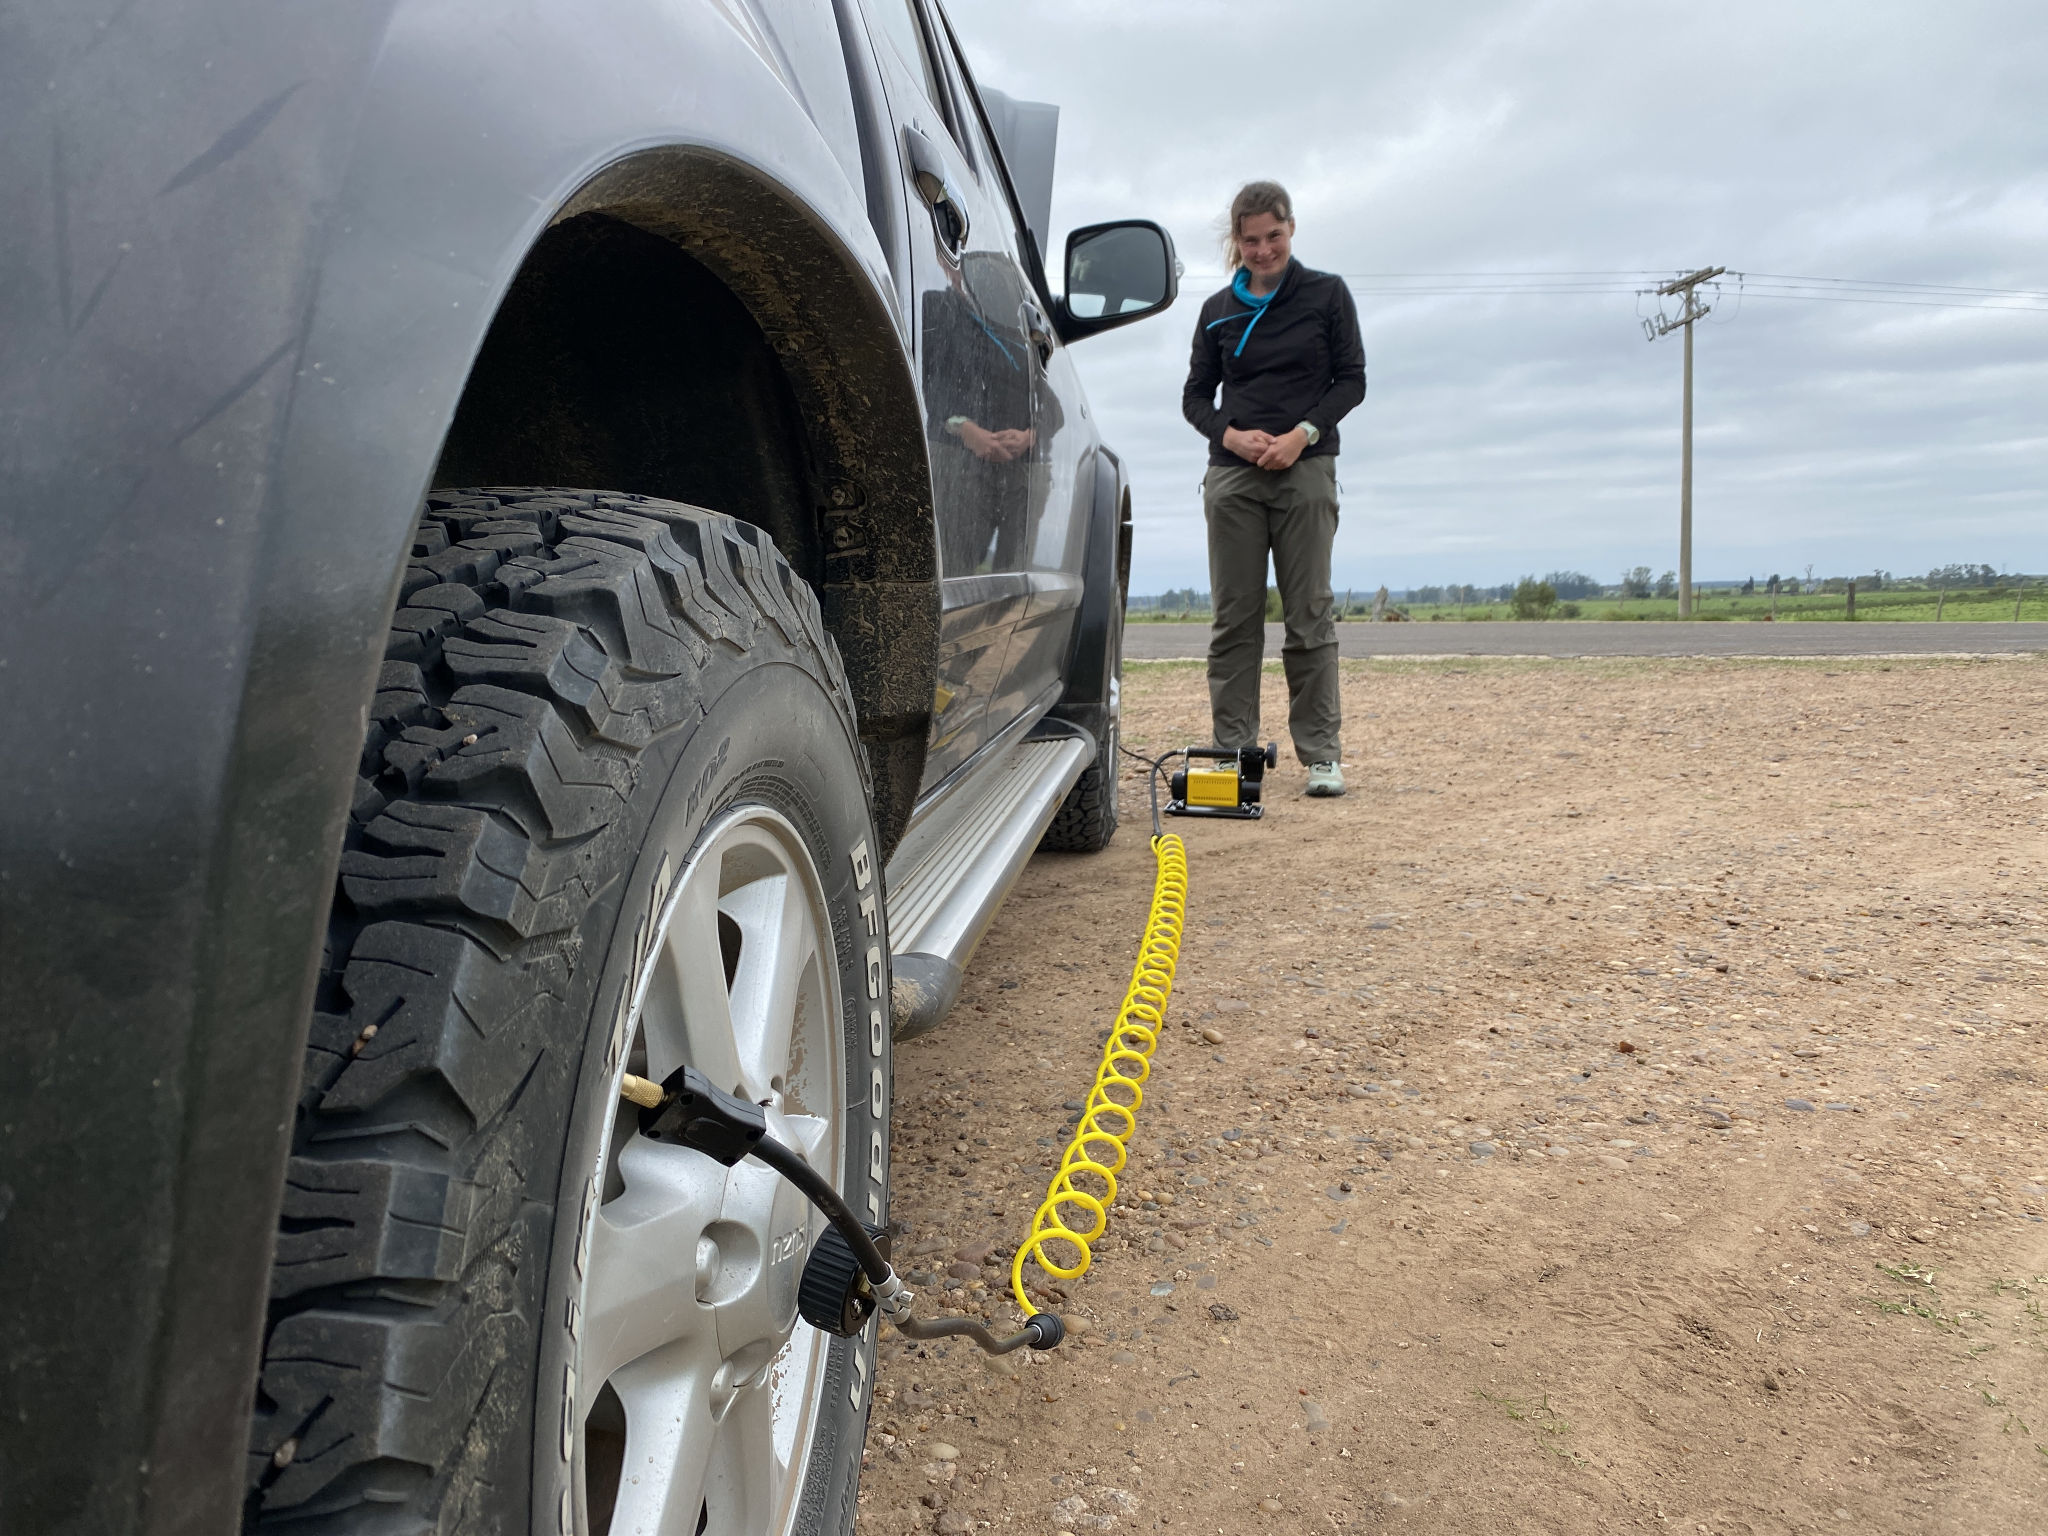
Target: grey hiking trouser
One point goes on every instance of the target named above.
(1292, 514)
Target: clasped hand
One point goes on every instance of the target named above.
(1266, 449)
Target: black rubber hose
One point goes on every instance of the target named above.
(813, 1187)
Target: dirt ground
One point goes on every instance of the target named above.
(1624, 1109)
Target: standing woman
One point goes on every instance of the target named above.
(1283, 342)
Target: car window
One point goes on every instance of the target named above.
(899, 22)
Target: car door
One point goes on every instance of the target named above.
(979, 373)
(1040, 544)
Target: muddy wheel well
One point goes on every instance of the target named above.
(618, 362)
(683, 330)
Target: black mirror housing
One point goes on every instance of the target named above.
(1116, 273)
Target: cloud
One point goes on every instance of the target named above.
(1515, 433)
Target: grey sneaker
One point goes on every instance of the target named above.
(1325, 779)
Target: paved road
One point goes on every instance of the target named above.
(1613, 637)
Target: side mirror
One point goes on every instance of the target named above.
(1116, 273)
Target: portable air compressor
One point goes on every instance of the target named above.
(1232, 788)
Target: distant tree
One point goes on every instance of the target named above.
(1667, 584)
(1774, 587)
(1749, 587)
(1425, 594)
(1532, 599)
(1963, 576)
(1573, 584)
(1636, 582)
(1273, 610)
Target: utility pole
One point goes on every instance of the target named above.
(1692, 311)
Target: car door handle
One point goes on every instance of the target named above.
(1038, 329)
(928, 175)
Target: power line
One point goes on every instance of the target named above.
(1602, 284)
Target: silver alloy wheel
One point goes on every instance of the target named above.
(698, 1387)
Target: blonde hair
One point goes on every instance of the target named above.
(1254, 197)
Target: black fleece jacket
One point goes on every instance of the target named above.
(1305, 361)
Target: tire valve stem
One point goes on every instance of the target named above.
(638, 1090)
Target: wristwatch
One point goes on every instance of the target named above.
(1309, 428)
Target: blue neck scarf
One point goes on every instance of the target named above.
(1241, 289)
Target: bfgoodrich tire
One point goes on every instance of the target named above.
(612, 816)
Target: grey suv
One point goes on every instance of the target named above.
(538, 542)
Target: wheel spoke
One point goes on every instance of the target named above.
(694, 1023)
(778, 946)
(641, 1286)
(745, 1474)
(671, 1437)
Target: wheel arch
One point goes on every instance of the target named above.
(685, 327)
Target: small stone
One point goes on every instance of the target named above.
(1482, 1149)
(1121, 1500)
(1211, 1035)
(1122, 1357)
(1392, 1499)
(1222, 1313)
(1206, 1283)
(1079, 1327)
(1669, 1219)
(1313, 1417)
(282, 1456)
(1859, 1229)
(1068, 1510)
(1801, 1105)
(953, 1523)
(943, 1452)
(964, 1271)
(1270, 1506)
(1162, 1288)
(1614, 1162)
(974, 1253)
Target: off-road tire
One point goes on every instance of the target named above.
(565, 669)
(1086, 819)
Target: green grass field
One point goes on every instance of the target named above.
(1907, 604)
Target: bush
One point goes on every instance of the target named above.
(1568, 610)
(1532, 599)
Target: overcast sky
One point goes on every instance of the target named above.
(1510, 434)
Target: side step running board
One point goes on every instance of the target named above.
(948, 879)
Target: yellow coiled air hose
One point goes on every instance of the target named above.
(1110, 1116)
